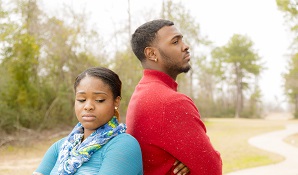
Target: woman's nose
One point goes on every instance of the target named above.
(88, 106)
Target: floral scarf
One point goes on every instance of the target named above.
(73, 153)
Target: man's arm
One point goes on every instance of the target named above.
(184, 136)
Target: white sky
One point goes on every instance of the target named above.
(219, 20)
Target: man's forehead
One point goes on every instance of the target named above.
(169, 32)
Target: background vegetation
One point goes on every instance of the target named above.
(40, 56)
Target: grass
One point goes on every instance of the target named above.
(229, 137)
(292, 140)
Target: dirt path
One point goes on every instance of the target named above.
(20, 165)
(274, 142)
(23, 157)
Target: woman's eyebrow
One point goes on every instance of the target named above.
(96, 92)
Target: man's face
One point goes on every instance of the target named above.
(172, 52)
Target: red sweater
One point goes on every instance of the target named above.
(168, 127)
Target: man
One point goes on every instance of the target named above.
(167, 123)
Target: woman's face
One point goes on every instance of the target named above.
(94, 104)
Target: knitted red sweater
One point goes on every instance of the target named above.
(168, 127)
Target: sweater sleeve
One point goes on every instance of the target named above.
(184, 136)
(123, 157)
(49, 159)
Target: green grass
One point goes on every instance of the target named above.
(230, 138)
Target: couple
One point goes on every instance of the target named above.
(168, 134)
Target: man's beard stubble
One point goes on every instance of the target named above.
(172, 66)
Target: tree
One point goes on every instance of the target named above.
(291, 82)
(290, 9)
(67, 50)
(242, 64)
(40, 58)
(20, 60)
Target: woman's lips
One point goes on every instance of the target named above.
(88, 118)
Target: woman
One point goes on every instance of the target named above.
(98, 144)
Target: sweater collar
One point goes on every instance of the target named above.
(150, 75)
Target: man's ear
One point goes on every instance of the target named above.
(150, 53)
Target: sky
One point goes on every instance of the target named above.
(260, 20)
(263, 23)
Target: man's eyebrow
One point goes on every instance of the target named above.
(177, 36)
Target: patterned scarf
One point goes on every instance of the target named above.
(73, 154)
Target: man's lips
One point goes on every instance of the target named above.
(187, 56)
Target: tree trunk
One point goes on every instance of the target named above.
(238, 93)
(296, 106)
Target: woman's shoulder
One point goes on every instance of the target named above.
(125, 138)
(123, 144)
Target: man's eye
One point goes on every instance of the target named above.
(99, 101)
(81, 100)
(175, 42)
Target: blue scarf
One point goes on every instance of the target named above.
(73, 154)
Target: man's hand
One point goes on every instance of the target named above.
(180, 168)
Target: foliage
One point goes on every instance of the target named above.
(41, 57)
(21, 94)
(241, 64)
(290, 9)
(291, 82)
(129, 69)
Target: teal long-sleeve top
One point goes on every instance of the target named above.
(121, 155)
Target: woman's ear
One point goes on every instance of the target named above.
(116, 106)
(117, 101)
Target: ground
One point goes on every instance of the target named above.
(22, 152)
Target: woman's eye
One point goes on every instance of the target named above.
(81, 100)
(99, 101)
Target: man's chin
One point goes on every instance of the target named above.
(186, 69)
